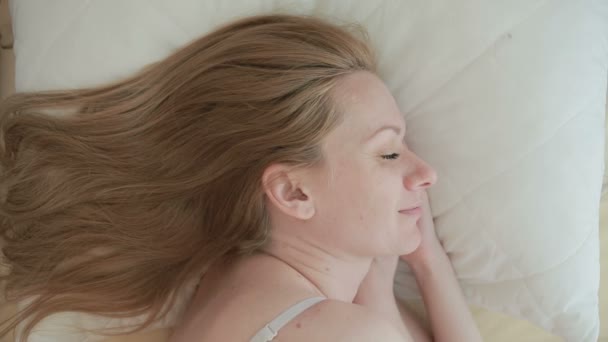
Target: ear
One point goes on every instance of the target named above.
(284, 188)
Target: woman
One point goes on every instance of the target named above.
(266, 155)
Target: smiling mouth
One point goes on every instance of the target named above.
(413, 211)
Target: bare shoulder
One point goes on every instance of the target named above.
(337, 321)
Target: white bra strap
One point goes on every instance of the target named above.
(270, 330)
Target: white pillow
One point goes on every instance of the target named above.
(504, 98)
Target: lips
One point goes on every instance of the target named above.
(410, 208)
(412, 211)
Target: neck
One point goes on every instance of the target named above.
(332, 276)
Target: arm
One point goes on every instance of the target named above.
(447, 310)
(388, 308)
(376, 294)
(416, 329)
(450, 317)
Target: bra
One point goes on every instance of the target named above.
(270, 330)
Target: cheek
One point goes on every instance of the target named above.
(346, 199)
(363, 192)
(370, 202)
(372, 183)
(356, 188)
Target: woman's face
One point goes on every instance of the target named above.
(369, 174)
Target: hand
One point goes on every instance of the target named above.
(430, 246)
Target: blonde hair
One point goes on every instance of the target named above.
(112, 209)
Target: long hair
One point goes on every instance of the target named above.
(129, 190)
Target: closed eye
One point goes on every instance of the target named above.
(390, 156)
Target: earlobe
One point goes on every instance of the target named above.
(286, 193)
(307, 212)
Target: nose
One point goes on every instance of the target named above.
(420, 174)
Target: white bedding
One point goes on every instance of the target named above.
(504, 98)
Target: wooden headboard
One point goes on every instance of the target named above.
(7, 58)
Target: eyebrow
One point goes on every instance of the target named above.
(395, 129)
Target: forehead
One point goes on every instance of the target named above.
(366, 104)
